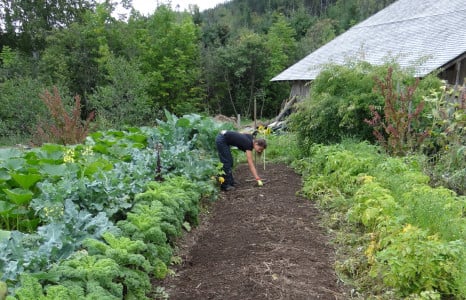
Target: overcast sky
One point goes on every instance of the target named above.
(148, 6)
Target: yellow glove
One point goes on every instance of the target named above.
(259, 182)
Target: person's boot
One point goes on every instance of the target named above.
(228, 185)
(227, 188)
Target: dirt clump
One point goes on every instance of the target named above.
(257, 243)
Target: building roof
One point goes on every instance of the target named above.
(408, 31)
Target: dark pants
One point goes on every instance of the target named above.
(224, 153)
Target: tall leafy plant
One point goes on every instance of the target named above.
(447, 140)
(64, 127)
(397, 130)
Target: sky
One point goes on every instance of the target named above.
(148, 6)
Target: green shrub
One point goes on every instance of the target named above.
(397, 237)
(124, 100)
(16, 94)
(281, 148)
(373, 204)
(436, 210)
(414, 261)
(338, 104)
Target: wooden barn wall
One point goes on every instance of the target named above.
(455, 73)
(300, 89)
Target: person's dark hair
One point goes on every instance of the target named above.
(261, 142)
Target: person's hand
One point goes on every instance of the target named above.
(259, 182)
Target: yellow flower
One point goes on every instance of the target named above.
(69, 156)
(408, 228)
(88, 151)
(264, 130)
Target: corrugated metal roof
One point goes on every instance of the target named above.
(424, 34)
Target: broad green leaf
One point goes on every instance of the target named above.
(101, 148)
(96, 166)
(138, 146)
(183, 122)
(54, 170)
(108, 141)
(50, 152)
(4, 235)
(32, 158)
(169, 116)
(52, 148)
(4, 175)
(134, 129)
(117, 133)
(96, 135)
(13, 163)
(26, 180)
(5, 207)
(19, 196)
(8, 153)
(139, 138)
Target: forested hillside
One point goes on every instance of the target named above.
(127, 69)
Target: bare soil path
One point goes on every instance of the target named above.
(257, 243)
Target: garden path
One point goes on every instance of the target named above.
(257, 243)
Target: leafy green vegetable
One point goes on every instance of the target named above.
(19, 196)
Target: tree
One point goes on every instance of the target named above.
(27, 23)
(320, 33)
(244, 65)
(281, 46)
(73, 55)
(168, 50)
(123, 100)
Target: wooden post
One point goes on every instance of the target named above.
(255, 113)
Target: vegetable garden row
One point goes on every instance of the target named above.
(97, 220)
(397, 237)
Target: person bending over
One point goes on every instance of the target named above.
(246, 143)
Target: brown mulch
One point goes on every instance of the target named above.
(257, 243)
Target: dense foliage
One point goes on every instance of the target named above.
(127, 70)
(98, 219)
(386, 105)
(397, 237)
(338, 104)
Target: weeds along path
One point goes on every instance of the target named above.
(257, 243)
